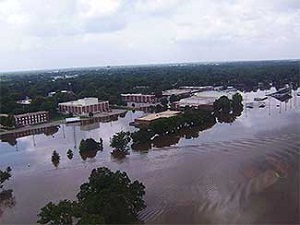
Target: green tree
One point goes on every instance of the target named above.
(174, 98)
(222, 104)
(88, 148)
(62, 213)
(4, 176)
(120, 141)
(90, 145)
(164, 101)
(7, 121)
(237, 98)
(55, 158)
(107, 198)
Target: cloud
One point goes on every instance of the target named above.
(145, 31)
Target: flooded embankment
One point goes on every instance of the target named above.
(241, 172)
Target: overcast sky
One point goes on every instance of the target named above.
(40, 34)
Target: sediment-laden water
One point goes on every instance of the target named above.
(243, 172)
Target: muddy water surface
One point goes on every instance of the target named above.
(243, 172)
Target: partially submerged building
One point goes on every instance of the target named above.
(195, 102)
(26, 119)
(203, 100)
(84, 106)
(138, 98)
(146, 120)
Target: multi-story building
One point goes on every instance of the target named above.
(84, 106)
(138, 98)
(31, 118)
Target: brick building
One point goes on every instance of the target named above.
(84, 106)
(138, 98)
(31, 118)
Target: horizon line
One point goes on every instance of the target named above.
(139, 65)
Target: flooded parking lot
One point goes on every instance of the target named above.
(246, 171)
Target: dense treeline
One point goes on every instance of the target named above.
(107, 83)
(165, 127)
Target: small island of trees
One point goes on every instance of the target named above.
(120, 143)
(227, 110)
(88, 148)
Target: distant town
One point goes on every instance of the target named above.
(144, 97)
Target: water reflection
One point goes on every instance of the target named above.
(11, 138)
(70, 154)
(88, 154)
(7, 200)
(166, 140)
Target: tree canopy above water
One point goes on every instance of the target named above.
(107, 198)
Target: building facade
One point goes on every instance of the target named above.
(84, 106)
(138, 98)
(31, 118)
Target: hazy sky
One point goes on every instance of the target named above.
(37, 34)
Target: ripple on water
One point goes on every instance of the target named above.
(230, 182)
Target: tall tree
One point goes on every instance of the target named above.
(107, 198)
(120, 141)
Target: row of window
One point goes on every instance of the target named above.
(32, 118)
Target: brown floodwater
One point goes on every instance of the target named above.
(245, 172)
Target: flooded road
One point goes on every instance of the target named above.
(243, 172)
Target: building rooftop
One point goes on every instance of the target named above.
(214, 94)
(25, 101)
(194, 100)
(155, 116)
(204, 98)
(81, 102)
(137, 95)
(30, 114)
(176, 92)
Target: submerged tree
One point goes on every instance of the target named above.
(6, 197)
(120, 142)
(107, 198)
(227, 110)
(90, 145)
(88, 148)
(4, 176)
(7, 200)
(70, 154)
(55, 158)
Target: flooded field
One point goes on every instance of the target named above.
(246, 171)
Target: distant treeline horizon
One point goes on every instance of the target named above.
(108, 83)
(93, 67)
